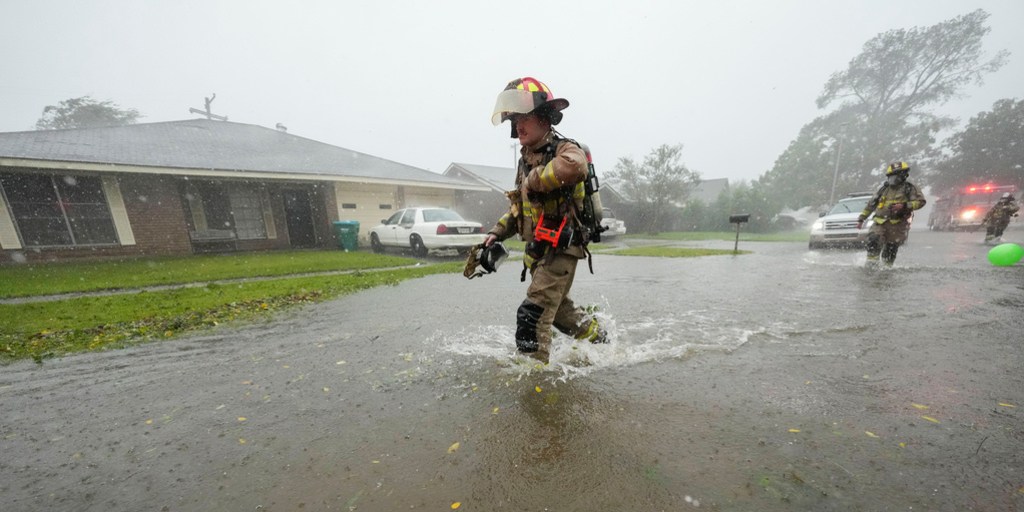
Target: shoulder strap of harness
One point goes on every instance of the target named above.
(568, 192)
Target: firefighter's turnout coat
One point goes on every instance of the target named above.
(892, 225)
(547, 176)
(1001, 212)
(998, 218)
(549, 180)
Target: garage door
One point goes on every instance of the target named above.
(367, 204)
(429, 197)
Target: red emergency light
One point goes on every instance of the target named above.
(974, 189)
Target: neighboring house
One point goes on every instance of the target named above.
(612, 198)
(709, 190)
(193, 186)
(485, 206)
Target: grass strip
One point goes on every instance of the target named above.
(785, 236)
(53, 278)
(661, 251)
(45, 329)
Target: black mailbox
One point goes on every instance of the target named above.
(738, 219)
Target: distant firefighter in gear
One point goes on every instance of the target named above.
(544, 212)
(893, 206)
(998, 217)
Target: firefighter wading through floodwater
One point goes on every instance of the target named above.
(547, 211)
(893, 206)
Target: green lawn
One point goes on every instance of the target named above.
(43, 329)
(661, 251)
(787, 236)
(51, 278)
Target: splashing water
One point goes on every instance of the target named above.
(631, 343)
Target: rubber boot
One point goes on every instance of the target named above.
(874, 247)
(889, 254)
(594, 333)
(543, 353)
(527, 337)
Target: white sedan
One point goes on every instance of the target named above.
(613, 227)
(426, 229)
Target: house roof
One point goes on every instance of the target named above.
(709, 190)
(706, 190)
(178, 147)
(499, 179)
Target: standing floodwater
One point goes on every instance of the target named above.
(785, 379)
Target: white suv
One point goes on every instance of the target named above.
(838, 226)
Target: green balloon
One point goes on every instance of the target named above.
(1004, 255)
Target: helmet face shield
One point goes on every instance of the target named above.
(512, 101)
(525, 95)
(493, 256)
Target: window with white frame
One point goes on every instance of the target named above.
(59, 210)
(247, 210)
(228, 210)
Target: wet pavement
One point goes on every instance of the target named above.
(785, 379)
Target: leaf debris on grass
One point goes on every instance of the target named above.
(40, 330)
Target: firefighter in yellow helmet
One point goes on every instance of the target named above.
(543, 212)
(997, 218)
(893, 206)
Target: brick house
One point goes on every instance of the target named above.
(193, 186)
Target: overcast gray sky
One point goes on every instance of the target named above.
(415, 82)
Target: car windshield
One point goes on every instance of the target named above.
(852, 205)
(440, 215)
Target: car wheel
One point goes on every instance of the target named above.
(812, 246)
(418, 249)
(375, 244)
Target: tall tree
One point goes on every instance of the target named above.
(802, 174)
(989, 148)
(85, 112)
(901, 72)
(656, 184)
(882, 106)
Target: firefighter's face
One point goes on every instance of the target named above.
(530, 128)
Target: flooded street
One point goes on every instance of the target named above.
(785, 379)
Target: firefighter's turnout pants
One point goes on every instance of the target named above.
(995, 227)
(548, 304)
(885, 239)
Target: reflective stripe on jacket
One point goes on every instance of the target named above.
(1001, 211)
(889, 195)
(541, 180)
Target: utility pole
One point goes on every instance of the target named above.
(835, 172)
(207, 113)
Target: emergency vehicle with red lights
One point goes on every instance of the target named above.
(963, 208)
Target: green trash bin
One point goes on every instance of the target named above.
(348, 234)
